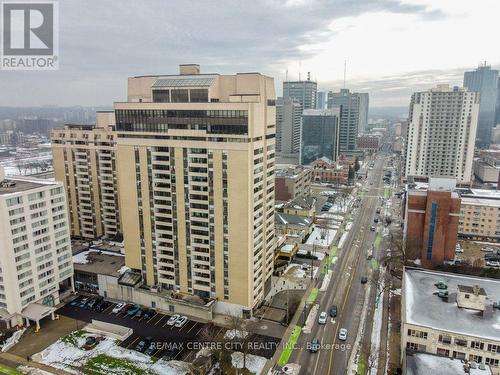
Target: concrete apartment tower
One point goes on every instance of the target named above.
(441, 133)
(195, 162)
(303, 91)
(353, 117)
(84, 160)
(288, 116)
(36, 263)
(485, 81)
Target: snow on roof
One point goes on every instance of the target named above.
(424, 308)
(423, 364)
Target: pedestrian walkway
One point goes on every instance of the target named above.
(15, 361)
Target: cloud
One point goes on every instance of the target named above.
(102, 44)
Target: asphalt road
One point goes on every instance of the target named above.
(345, 290)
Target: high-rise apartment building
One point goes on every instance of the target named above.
(288, 117)
(485, 81)
(303, 91)
(353, 116)
(320, 135)
(441, 133)
(195, 164)
(35, 250)
(85, 161)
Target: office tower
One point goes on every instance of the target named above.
(303, 91)
(195, 164)
(485, 81)
(288, 116)
(320, 135)
(497, 117)
(321, 100)
(353, 117)
(431, 221)
(85, 161)
(441, 133)
(36, 264)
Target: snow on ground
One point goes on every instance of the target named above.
(342, 240)
(81, 258)
(32, 371)
(253, 363)
(315, 237)
(326, 281)
(487, 243)
(311, 319)
(376, 330)
(297, 271)
(66, 356)
(232, 333)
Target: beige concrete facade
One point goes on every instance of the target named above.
(480, 218)
(84, 160)
(195, 161)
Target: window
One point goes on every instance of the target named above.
(460, 342)
(415, 333)
(494, 348)
(15, 200)
(198, 95)
(443, 352)
(458, 355)
(492, 362)
(444, 339)
(179, 96)
(477, 345)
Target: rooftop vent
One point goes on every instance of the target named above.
(471, 297)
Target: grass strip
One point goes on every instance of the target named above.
(290, 345)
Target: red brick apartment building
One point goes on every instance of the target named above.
(432, 213)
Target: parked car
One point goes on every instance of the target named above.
(101, 306)
(149, 314)
(375, 220)
(83, 302)
(91, 303)
(133, 310)
(143, 344)
(493, 263)
(364, 279)
(487, 249)
(118, 307)
(170, 354)
(151, 349)
(126, 308)
(372, 228)
(322, 318)
(314, 345)
(181, 321)
(171, 321)
(343, 334)
(333, 311)
(139, 313)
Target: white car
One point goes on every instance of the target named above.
(181, 321)
(487, 249)
(322, 318)
(171, 321)
(118, 307)
(493, 263)
(343, 334)
(459, 249)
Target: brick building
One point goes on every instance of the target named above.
(326, 170)
(369, 143)
(431, 221)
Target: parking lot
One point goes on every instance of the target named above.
(171, 342)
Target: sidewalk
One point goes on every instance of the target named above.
(12, 360)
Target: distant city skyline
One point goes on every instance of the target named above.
(392, 47)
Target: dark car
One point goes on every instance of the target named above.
(149, 314)
(152, 348)
(101, 306)
(83, 302)
(170, 354)
(375, 220)
(333, 311)
(139, 313)
(314, 345)
(364, 280)
(126, 308)
(91, 303)
(143, 344)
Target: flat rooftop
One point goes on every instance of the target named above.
(424, 364)
(97, 262)
(424, 308)
(21, 185)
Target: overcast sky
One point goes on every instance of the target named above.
(392, 47)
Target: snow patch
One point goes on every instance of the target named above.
(253, 363)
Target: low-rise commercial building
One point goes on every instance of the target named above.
(327, 171)
(35, 252)
(479, 214)
(431, 221)
(368, 142)
(292, 225)
(291, 182)
(302, 206)
(460, 320)
(486, 169)
(416, 363)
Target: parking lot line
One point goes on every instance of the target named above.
(194, 325)
(133, 342)
(110, 307)
(198, 332)
(166, 324)
(151, 319)
(160, 319)
(158, 315)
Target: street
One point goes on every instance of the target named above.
(345, 289)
